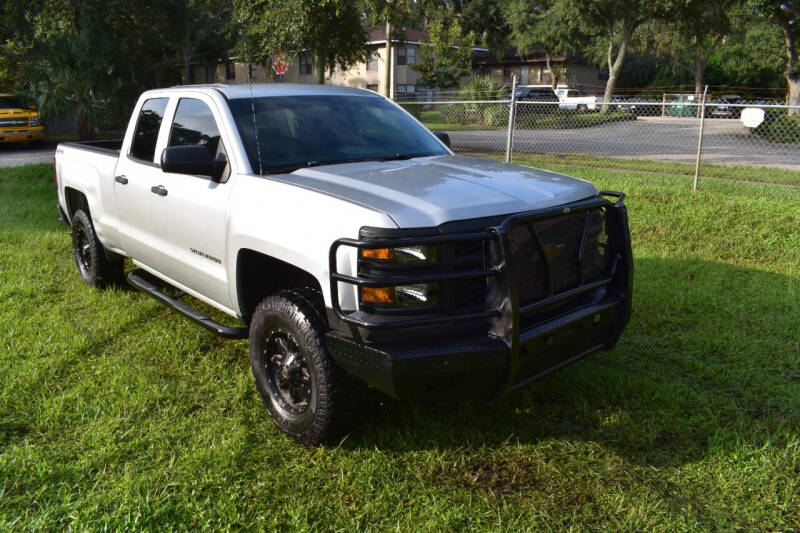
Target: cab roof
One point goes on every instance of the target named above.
(260, 90)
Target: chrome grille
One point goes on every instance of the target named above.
(4, 122)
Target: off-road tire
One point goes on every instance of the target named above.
(296, 316)
(97, 266)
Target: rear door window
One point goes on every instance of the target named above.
(147, 126)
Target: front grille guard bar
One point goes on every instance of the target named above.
(504, 269)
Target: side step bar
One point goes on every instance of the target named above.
(137, 279)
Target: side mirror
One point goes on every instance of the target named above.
(444, 137)
(193, 159)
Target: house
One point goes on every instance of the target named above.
(574, 71)
(406, 44)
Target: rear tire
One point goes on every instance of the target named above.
(307, 395)
(97, 266)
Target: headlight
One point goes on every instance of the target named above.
(401, 255)
(36, 121)
(419, 294)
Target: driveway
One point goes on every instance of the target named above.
(656, 138)
(13, 155)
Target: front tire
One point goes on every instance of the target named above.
(302, 388)
(97, 267)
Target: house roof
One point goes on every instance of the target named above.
(377, 34)
(512, 57)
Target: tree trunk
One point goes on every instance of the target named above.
(553, 77)
(615, 64)
(320, 72)
(792, 67)
(388, 82)
(187, 66)
(699, 78)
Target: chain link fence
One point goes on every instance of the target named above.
(757, 134)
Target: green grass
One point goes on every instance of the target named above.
(588, 163)
(115, 412)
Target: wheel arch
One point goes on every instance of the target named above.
(75, 200)
(259, 275)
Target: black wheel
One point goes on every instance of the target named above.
(96, 266)
(308, 396)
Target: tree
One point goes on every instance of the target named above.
(544, 26)
(447, 58)
(487, 20)
(786, 14)
(693, 32)
(615, 21)
(331, 31)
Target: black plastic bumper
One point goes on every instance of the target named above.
(526, 339)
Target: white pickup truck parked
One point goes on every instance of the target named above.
(350, 244)
(575, 99)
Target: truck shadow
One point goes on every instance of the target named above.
(711, 359)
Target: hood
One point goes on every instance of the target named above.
(429, 191)
(17, 112)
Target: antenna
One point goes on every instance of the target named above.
(252, 103)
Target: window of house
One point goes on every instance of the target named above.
(406, 55)
(230, 70)
(372, 62)
(149, 122)
(372, 87)
(305, 64)
(405, 90)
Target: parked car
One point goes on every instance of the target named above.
(350, 244)
(723, 107)
(19, 122)
(536, 101)
(641, 107)
(575, 99)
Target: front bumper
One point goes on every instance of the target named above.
(525, 340)
(26, 134)
(479, 369)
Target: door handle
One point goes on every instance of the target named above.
(159, 190)
(121, 179)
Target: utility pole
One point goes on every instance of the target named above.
(389, 89)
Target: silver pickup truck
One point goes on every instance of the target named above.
(349, 244)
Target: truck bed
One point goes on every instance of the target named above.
(110, 147)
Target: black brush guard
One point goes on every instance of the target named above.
(511, 355)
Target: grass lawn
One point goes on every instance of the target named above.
(116, 412)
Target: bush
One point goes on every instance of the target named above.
(495, 115)
(415, 109)
(779, 127)
(484, 89)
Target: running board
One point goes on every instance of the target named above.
(137, 279)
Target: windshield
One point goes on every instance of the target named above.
(9, 102)
(304, 131)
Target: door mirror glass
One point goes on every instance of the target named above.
(193, 159)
